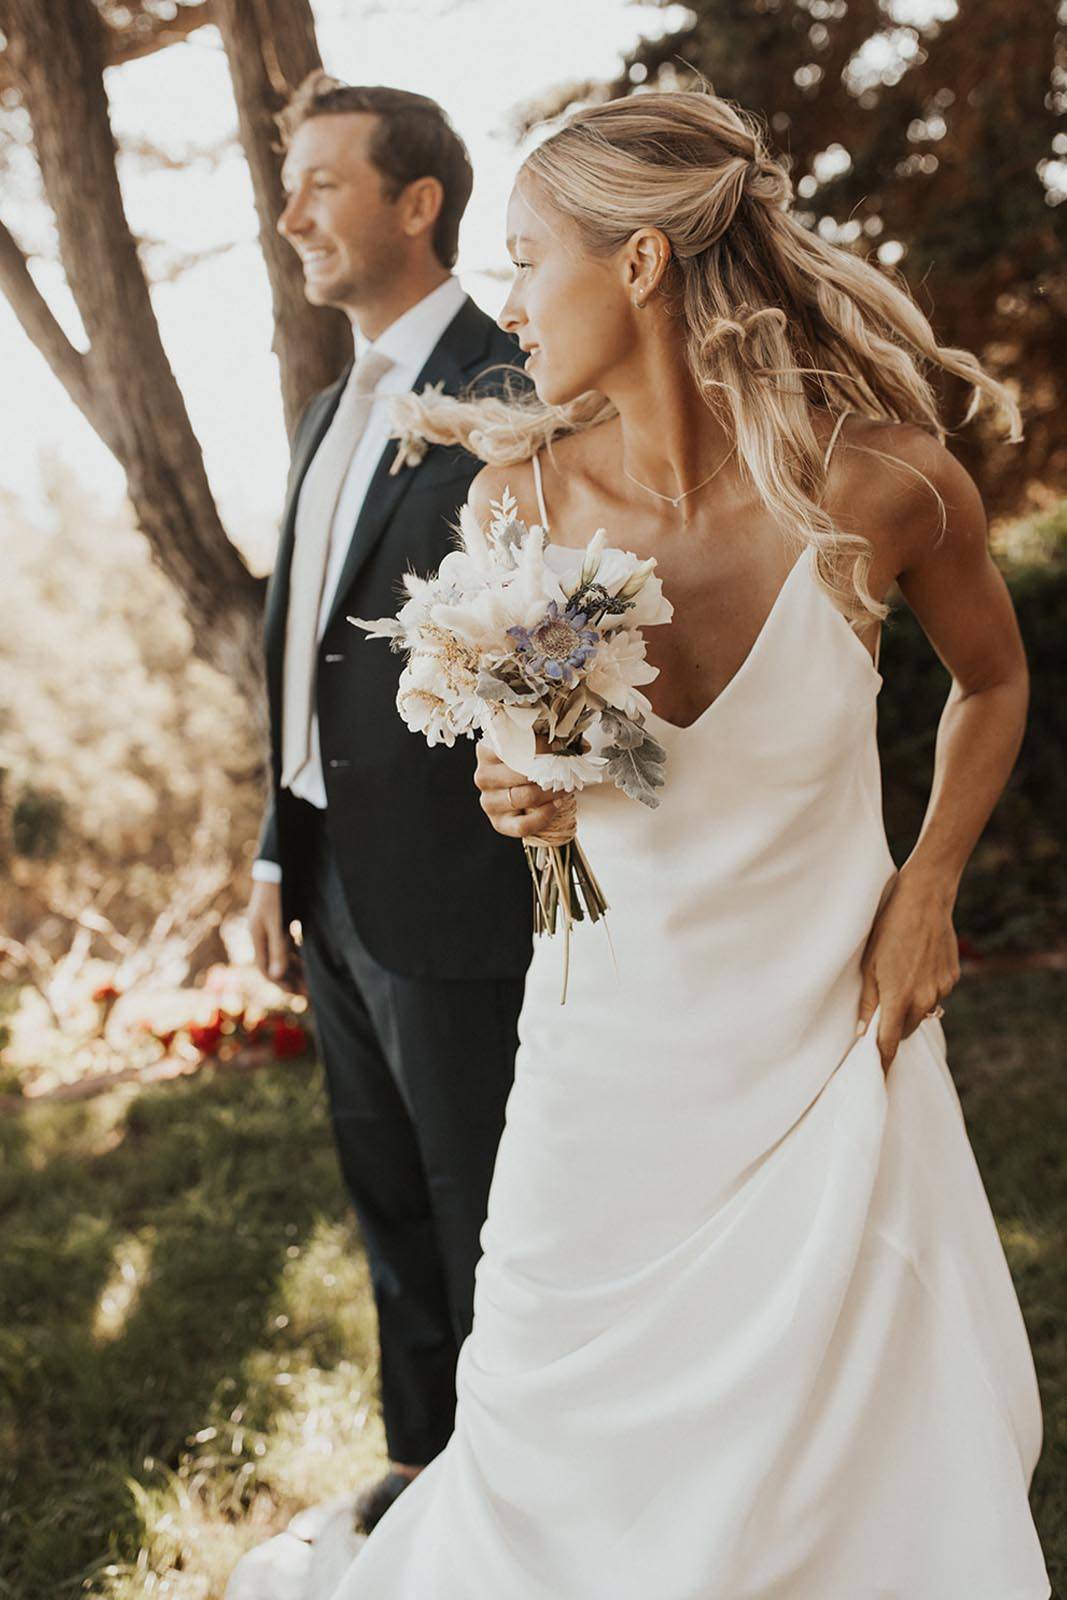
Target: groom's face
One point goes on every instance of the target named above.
(345, 230)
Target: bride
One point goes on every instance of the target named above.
(744, 1329)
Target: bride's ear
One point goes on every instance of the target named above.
(647, 255)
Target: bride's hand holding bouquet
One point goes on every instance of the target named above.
(516, 807)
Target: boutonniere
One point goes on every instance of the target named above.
(412, 444)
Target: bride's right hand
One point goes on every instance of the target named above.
(515, 806)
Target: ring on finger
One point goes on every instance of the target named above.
(511, 798)
(938, 1011)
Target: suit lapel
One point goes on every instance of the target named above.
(461, 346)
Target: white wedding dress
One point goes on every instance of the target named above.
(744, 1329)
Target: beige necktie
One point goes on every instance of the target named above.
(315, 512)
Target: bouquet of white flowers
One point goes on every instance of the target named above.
(515, 638)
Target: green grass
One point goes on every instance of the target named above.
(186, 1335)
(1007, 1045)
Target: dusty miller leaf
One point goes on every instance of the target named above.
(623, 731)
(635, 760)
(490, 687)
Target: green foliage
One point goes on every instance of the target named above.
(37, 824)
(937, 128)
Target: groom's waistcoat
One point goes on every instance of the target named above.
(434, 892)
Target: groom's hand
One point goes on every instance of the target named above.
(274, 955)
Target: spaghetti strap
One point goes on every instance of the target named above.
(833, 438)
(535, 462)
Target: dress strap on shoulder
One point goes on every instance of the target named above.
(535, 462)
(833, 438)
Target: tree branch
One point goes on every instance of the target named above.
(150, 33)
(137, 36)
(39, 323)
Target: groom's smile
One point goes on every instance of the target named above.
(316, 260)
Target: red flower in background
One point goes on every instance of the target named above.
(287, 1039)
(224, 1033)
(206, 1036)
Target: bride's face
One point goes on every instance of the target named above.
(571, 310)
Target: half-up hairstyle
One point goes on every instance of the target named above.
(778, 321)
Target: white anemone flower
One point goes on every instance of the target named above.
(614, 569)
(617, 668)
(566, 772)
(511, 734)
(483, 618)
(423, 709)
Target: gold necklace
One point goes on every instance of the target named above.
(676, 500)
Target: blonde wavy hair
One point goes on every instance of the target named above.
(777, 320)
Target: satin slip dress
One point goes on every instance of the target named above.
(744, 1328)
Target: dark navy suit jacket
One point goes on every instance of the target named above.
(434, 892)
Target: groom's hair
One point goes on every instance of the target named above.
(412, 138)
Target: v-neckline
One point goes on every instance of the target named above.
(754, 651)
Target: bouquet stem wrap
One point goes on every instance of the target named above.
(563, 881)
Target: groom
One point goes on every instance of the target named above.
(415, 916)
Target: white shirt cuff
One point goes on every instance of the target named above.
(264, 871)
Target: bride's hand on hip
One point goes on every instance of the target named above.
(911, 962)
(515, 806)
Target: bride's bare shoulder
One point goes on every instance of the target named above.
(571, 455)
(889, 481)
(491, 483)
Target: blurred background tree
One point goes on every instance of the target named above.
(930, 134)
(52, 67)
(123, 755)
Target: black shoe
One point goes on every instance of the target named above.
(375, 1501)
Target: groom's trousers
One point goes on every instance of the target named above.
(418, 1072)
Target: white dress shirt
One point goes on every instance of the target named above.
(408, 342)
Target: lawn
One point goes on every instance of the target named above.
(186, 1334)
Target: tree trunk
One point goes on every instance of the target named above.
(123, 383)
(270, 46)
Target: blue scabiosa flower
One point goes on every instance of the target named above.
(557, 646)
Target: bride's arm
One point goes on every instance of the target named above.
(961, 601)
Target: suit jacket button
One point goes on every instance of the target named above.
(337, 764)
(335, 658)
